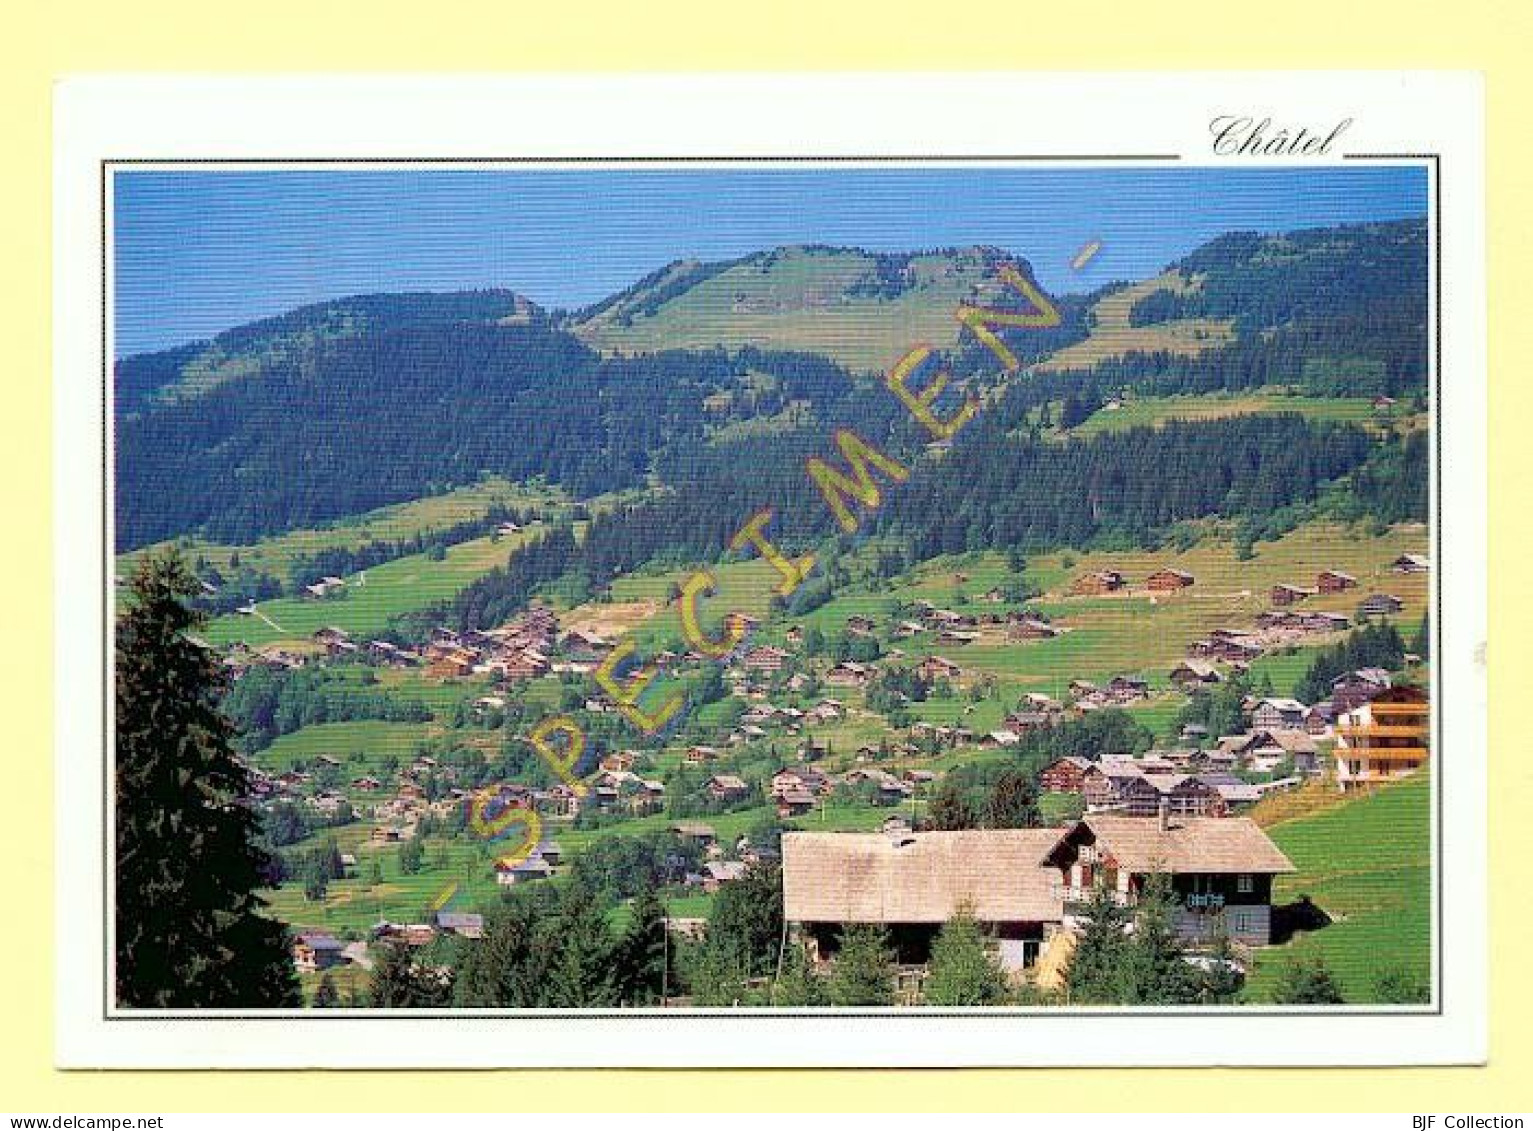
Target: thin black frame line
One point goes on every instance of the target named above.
(1065, 1012)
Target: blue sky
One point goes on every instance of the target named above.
(200, 251)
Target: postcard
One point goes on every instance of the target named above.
(766, 571)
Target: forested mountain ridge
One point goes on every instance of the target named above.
(144, 380)
(373, 400)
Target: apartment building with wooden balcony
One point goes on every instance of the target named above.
(1383, 739)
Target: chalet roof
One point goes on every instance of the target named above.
(918, 877)
(1376, 676)
(1070, 760)
(1294, 741)
(320, 940)
(1231, 788)
(1286, 705)
(1188, 845)
(1198, 668)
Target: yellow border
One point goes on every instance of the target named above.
(44, 41)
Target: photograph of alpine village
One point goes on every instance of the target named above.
(771, 587)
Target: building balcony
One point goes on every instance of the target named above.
(1380, 730)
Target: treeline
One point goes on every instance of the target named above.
(265, 704)
(999, 490)
(337, 561)
(992, 490)
(1376, 645)
(554, 946)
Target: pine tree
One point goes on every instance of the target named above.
(1222, 980)
(325, 994)
(1097, 972)
(399, 982)
(190, 933)
(1307, 981)
(411, 856)
(507, 967)
(964, 970)
(642, 955)
(1157, 971)
(864, 970)
(797, 987)
(580, 975)
(1012, 803)
(950, 810)
(748, 918)
(1421, 644)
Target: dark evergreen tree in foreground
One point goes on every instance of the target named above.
(964, 967)
(643, 954)
(864, 970)
(190, 933)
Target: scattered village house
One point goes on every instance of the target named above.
(1064, 775)
(317, 950)
(1290, 594)
(1352, 689)
(1098, 582)
(1379, 605)
(1334, 581)
(1169, 580)
(1279, 714)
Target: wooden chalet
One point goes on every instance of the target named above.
(1285, 595)
(766, 658)
(1169, 580)
(1379, 605)
(1031, 628)
(1279, 714)
(1195, 673)
(1064, 775)
(1215, 865)
(1098, 582)
(317, 950)
(1352, 689)
(726, 787)
(938, 667)
(1334, 581)
(913, 883)
(1027, 887)
(848, 673)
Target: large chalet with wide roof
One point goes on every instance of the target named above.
(1027, 886)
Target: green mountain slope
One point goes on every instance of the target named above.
(860, 309)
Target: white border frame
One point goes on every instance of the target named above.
(460, 119)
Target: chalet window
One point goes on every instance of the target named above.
(1245, 884)
(1088, 854)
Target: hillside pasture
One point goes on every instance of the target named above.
(1367, 864)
